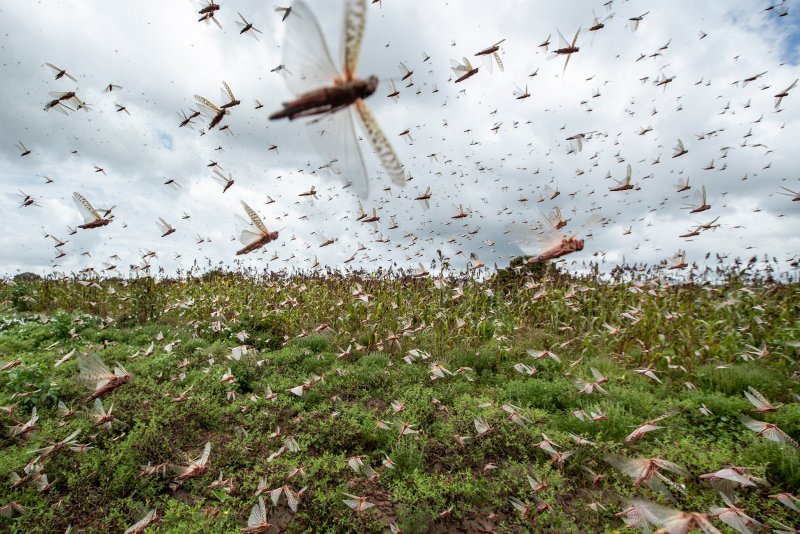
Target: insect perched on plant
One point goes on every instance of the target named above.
(250, 239)
(322, 90)
(91, 219)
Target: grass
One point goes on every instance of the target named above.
(354, 332)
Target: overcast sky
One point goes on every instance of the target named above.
(492, 151)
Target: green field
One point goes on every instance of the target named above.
(442, 353)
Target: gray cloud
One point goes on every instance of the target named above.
(162, 57)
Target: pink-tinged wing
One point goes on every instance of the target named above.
(305, 53)
(355, 19)
(88, 213)
(334, 138)
(381, 145)
(752, 424)
(257, 222)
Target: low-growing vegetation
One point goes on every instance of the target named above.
(386, 401)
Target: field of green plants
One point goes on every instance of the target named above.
(379, 403)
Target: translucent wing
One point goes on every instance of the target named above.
(258, 515)
(206, 452)
(93, 370)
(292, 500)
(87, 211)
(334, 137)
(533, 241)
(591, 221)
(355, 18)
(305, 52)
(209, 107)
(228, 90)
(381, 144)
(257, 222)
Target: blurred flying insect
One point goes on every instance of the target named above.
(699, 201)
(186, 120)
(60, 73)
(490, 53)
(673, 521)
(285, 10)
(678, 261)
(24, 151)
(567, 49)
(211, 111)
(95, 374)
(425, 197)
(207, 11)
(624, 185)
(598, 24)
(783, 94)
(250, 239)
(545, 44)
(247, 27)
(679, 149)
(682, 185)
(789, 193)
(549, 243)
(769, 431)
(405, 72)
(322, 90)
(91, 219)
(463, 70)
(165, 227)
(227, 93)
(520, 94)
(225, 181)
(634, 21)
(394, 94)
(736, 517)
(556, 219)
(647, 471)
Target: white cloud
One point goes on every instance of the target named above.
(162, 57)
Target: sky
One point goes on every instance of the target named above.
(473, 143)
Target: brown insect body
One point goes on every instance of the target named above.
(112, 384)
(272, 236)
(327, 99)
(467, 75)
(568, 245)
(95, 224)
